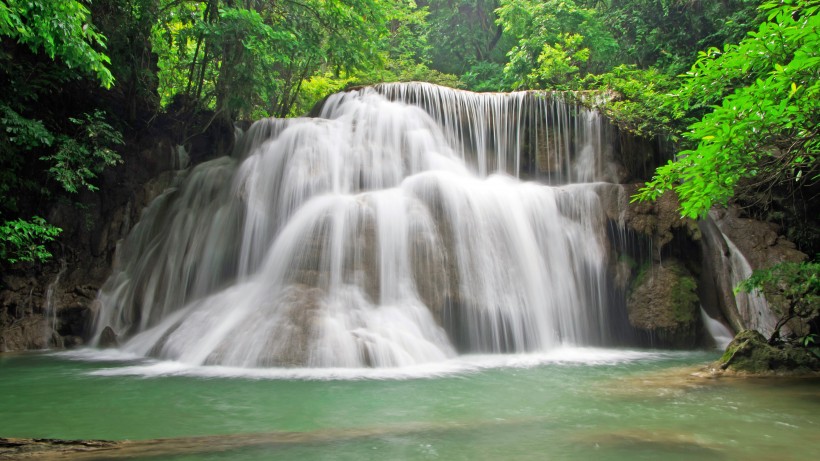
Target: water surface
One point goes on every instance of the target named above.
(570, 404)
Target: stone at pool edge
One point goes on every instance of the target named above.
(750, 353)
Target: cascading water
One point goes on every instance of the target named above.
(717, 330)
(49, 309)
(752, 307)
(390, 231)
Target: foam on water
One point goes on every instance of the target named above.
(465, 364)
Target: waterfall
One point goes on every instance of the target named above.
(752, 307)
(393, 229)
(50, 309)
(717, 330)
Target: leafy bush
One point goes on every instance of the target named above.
(485, 76)
(24, 241)
(640, 101)
(59, 28)
(79, 159)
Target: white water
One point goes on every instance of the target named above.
(382, 234)
(717, 330)
(752, 307)
(49, 308)
(133, 365)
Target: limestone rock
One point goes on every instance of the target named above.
(759, 244)
(26, 334)
(659, 219)
(749, 352)
(759, 241)
(663, 304)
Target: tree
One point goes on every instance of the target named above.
(793, 290)
(667, 34)
(764, 96)
(63, 32)
(250, 60)
(638, 101)
(61, 29)
(466, 34)
(554, 41)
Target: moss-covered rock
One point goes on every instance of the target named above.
(749, 352)
(663, 304)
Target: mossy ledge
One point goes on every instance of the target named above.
(750, 354)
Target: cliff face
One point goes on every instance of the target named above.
(52, 305)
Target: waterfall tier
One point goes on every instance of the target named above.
(391, 230)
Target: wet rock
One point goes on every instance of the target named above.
(26, 334)
(663, 304)
(108, 338)
(759, 241)
(760, 245)
(750, 353)
(659, 220)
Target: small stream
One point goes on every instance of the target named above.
(570, 404)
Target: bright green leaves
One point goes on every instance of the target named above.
(558, 64)
(248, 62)
(639, 101)
(549, 52)
(61, 29)
(24, 241)
(764, 95)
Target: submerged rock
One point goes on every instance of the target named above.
(749, 352)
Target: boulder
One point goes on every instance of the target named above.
(750, 353)
(108, 338)
(663, 305)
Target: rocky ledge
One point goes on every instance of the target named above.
(750, 354)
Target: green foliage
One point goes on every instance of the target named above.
(252, 61)
(407, 37)
(549, 50)
(485, 76)
(667, 34)
(24, 241)
(61, 29)
(793, 291)
(247, 54)
(638, 100)
(22, 132)
(465, 34)
(766, 125)
(316, 89)
(80, 158)
(558, 64)
(18, 135)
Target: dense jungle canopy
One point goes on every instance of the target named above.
(731, 85)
